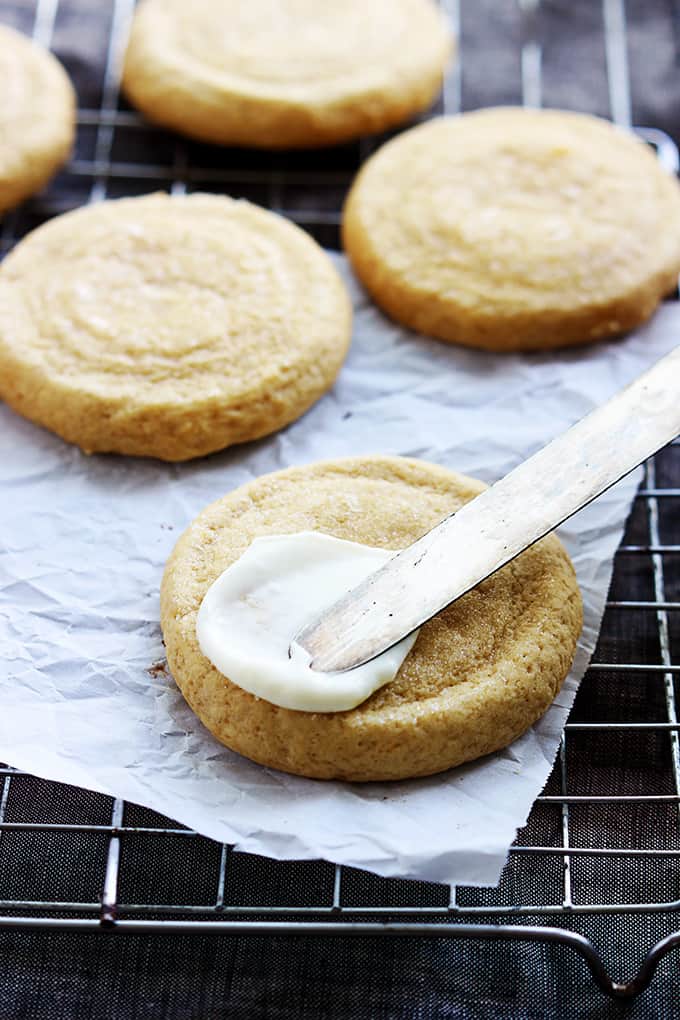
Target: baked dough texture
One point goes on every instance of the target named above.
(37, 117)
(284, 73)
(480, 673)
(512, 229)
(169, 326)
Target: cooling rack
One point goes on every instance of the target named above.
(596, 870)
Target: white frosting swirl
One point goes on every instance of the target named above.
(251, 613)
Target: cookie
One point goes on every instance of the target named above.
(480, 673)
(512, 229)
(169, 326)
(37, 117)
(284, 73)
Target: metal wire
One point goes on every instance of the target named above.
(337, 909)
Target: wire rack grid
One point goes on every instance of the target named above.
(597, 868)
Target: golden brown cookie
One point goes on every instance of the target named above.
(169, 326)
(513, 229)
(284, 73)
(37, 117)
(479, 674)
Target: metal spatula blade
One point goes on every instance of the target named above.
(497, 525)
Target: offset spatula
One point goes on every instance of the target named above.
(500, 523)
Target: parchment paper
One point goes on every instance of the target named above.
(83, 542)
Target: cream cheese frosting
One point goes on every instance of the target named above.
(250, 615)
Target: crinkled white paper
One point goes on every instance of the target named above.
(83, 541)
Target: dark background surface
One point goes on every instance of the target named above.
(59, 975)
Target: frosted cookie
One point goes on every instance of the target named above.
(168, 326)
(480, 673)
(252, 614)
(37, 117)
(284, 73)
(513, 229)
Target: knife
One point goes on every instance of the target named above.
(494, 527)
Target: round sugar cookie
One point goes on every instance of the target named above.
(480, 673)
(513, 229)
(284, 73)
(169, 326)
(37, 117)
